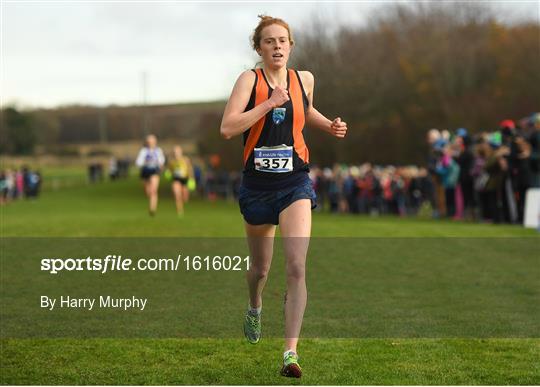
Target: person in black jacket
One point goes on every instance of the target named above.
(465, 161)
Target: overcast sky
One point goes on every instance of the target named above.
(95, 52)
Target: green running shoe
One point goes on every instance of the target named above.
(252, 327)
(291, 368)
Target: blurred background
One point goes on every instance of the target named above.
(82, 84)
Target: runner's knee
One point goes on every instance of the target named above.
(296, 271)
(260, 272)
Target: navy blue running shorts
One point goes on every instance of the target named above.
(146, 172)
(264, 207)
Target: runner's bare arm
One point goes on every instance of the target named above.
(314, 118)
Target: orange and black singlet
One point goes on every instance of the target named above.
(275, 153)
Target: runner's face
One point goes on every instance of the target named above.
(274, 46)
(177, 151)
(151, 141)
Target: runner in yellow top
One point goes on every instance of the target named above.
(181, 171)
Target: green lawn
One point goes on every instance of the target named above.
(234, 362)
(392, 301)
(119, 209)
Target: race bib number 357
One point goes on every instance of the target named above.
(276, 159)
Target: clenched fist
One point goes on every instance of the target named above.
(279, 96)
(338, 128)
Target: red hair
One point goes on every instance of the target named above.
(265, 22)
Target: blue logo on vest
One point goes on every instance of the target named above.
(278, 115)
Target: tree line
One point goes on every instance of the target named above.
(416, 67)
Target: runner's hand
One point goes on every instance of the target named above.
(338, 128)
(279, 97)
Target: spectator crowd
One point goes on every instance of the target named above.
(15, 184)
(482, 176)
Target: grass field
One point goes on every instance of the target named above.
(118, 209)
(405, 311)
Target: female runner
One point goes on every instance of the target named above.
(150, 160)
(270, 106)
(181, 171)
